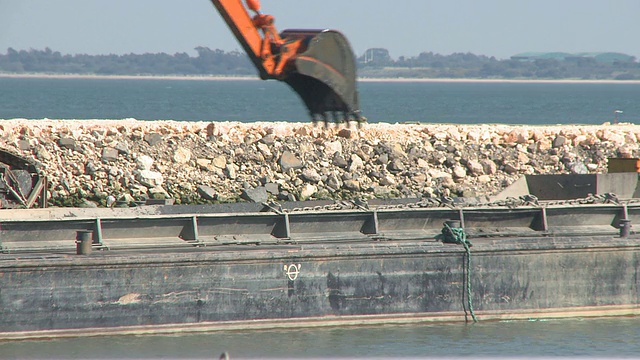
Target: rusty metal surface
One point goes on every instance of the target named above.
(22, 182)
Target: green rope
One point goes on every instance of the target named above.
(458, 236)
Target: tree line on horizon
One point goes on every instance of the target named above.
(234, 63)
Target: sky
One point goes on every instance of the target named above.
(499, 28)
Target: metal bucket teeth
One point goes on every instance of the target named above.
(324, 75)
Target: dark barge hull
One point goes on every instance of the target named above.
(196, 271)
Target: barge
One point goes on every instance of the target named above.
(158, 269)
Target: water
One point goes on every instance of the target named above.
(255, 100)
(595, 338)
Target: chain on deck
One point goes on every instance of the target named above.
(449, 202)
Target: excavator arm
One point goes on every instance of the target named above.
(319, 65)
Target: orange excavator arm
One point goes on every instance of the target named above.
(318, 64)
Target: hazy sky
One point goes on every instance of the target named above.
(499, 28)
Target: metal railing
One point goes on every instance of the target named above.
(113, 231)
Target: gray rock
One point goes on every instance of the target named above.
(383, 159)
(333, 182)
(286, 196)
(24, 180)
(256, 195)
(311, 175)
(450, 162)
(268, 139)
(272, 188)
(231, 171)
(207, 192)
(387, 180)
(67, 143)
(153, 138)
(396, 166)
(122, 147)
(109, 154)
(339, 161)
(288, 161)
(85, 203)
(24, 145)
(110, 200)
(510, 168)
(396, 152)
(90, 168)
(375, 174)
(559, 141)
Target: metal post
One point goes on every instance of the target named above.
(625, 228)
(84, 240)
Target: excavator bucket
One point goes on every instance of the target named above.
(323, 73)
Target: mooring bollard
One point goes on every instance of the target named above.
(84, 240)
(625, 228)
(454, 224)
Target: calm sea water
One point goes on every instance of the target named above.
(467, 103)
(255, 100)
(601, 338)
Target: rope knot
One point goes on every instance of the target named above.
(454, 234)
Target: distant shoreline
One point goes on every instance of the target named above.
(363, 79)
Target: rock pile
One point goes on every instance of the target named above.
(107, 162)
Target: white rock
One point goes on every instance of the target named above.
(484, 179)
(459, 172)
(332, 147)
(144, 162)
(475, 167)
(307, 191)
(423, 164)
(356, 163)
(182, 155)
(264, 149)
(220, 162)
(150, 178)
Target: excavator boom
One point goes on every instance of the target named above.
(319, 65)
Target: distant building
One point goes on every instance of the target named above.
(377, 56)
(603, 57)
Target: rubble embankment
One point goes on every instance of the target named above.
(102, 162)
